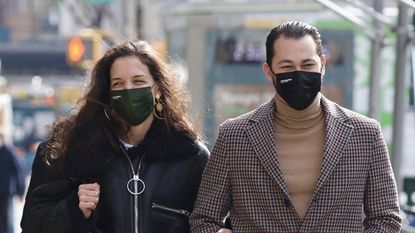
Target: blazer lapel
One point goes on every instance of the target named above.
(337, 137)
(261, 135)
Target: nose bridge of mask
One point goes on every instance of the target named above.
(299, 77)
(289, 78)
(130, 95)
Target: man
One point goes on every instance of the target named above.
(11, 182)
(298, 163)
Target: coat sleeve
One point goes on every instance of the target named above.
(39, 176)
(51, 202)
(381, 203)
(199, 166)
(54, 208)
(214, 197)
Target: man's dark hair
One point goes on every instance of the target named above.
(294, 30)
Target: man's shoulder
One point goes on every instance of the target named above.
(237, 122)
(349, 116)
(242, 121)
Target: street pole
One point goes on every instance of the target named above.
(124, 19)
(369, 31)
(377, 44)
(402, 41)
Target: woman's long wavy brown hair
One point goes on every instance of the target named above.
(91, 106)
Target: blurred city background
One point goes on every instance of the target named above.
(218, 48)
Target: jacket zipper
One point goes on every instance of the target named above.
(177, 211)
(135, 176)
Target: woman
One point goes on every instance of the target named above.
(128, 161)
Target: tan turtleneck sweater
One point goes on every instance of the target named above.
(300, 139)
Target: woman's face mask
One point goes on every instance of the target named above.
(133, 105)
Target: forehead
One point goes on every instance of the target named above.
(295, 48)
(127, 67)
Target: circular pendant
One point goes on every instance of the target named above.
(138, 185)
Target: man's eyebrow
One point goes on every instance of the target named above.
(289, 61)
(308, 60)
(285, 61)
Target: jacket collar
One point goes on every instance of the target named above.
(163, 143)
(338, 132)
(89, 159)
(261, 134)
(332, 110)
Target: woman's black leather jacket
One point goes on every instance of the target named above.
(169, 163)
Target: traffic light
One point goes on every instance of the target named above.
(85, 48)
(76, 50)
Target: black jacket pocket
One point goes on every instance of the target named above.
(169, 220)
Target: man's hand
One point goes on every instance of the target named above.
(88, 195)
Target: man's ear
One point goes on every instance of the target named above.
(323, 65)
(267, 71)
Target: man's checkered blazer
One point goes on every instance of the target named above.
(356, 190)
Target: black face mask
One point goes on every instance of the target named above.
(298, 88)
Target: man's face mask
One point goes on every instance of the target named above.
(298, 88)
(133, 105)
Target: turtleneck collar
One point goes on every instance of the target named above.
(290, 118)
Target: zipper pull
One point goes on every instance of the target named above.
(139, 185)
(185, 212)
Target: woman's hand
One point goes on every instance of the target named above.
(224, 230)
(88, 195)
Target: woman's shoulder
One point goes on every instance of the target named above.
(201, 148)
(193, 148)
(170, 144)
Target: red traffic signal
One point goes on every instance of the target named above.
(75, 50)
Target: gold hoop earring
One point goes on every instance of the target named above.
(158, 107)
(106, 114)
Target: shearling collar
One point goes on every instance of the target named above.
(89, 158)
(162, 143)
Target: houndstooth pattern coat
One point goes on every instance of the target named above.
(356, 190)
